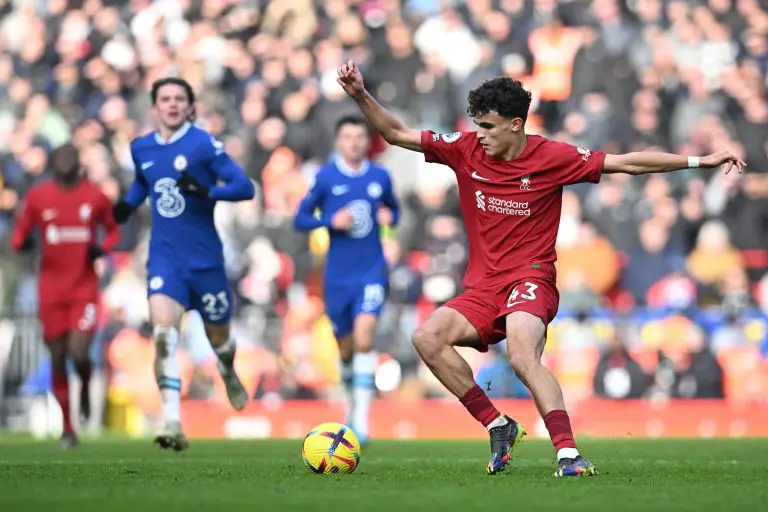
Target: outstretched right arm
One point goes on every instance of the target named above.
(136, 194)
(390, 128)
(305, 219)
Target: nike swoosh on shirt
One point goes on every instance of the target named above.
(478, 177)
(147, 165)
(339, 190)
(515, 303)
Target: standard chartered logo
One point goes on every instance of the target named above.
(508, 207)
(502, 206)
(56, 235)
(480, 200)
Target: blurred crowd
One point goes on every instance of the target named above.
(668, 75)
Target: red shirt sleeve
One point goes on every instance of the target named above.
(446, 148)
(575, 164)
(25, 221)
(104, 216)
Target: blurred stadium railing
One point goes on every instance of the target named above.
(651, 373)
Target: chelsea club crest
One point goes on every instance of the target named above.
(374, 190)
(180, 163)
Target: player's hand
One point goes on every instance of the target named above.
(342, 220)
(95, 252)
(726, 158)
(350, 79)
(121, 211)
(384, 216)
(193, 187)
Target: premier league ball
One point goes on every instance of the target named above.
(331, 448)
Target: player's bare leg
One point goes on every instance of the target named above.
(435, 341)
(224, 346)
(364, 364)
(165, 314)
(78, 345)
(346, 353)
(58, 351)
(526, 336)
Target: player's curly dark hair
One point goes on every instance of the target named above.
(502, 95)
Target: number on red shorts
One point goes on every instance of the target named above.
(88, 320)
(528, 294)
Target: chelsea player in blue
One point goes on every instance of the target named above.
(354, 198)
(180, 168)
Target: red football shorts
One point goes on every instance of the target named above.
(61, 318)
(487, 308)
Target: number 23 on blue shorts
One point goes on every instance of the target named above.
(205, 290)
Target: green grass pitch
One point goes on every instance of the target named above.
(115, 475)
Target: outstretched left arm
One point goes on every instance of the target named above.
(651, 162)
(237, 186)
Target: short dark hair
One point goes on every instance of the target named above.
(67, 149)
(65, 152)
(353, 120)
(503, 95)
(173, 81)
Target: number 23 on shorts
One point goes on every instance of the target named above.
(522, 293)
(215, 306)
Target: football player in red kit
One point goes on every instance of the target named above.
(67, 210)
(510, 188)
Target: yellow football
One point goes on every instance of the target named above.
(331, 448)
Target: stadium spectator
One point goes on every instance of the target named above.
(618, 375)
(687, 368)
(653, 258)
(713, 256)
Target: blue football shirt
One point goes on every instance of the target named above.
(355, 254)
(183, 231)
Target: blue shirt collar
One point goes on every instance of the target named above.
(346, 170)
(176, 136)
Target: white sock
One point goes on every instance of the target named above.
(345, 370)
(193, 336)
(501, 420)
(364, 370)
(567, 453)
(167, 372)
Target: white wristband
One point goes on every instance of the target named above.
(693, 162)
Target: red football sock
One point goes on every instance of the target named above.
(61, 392)
(559, 426)
(479, 406)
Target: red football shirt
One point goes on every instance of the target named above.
(67, 220)
(511, 209)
